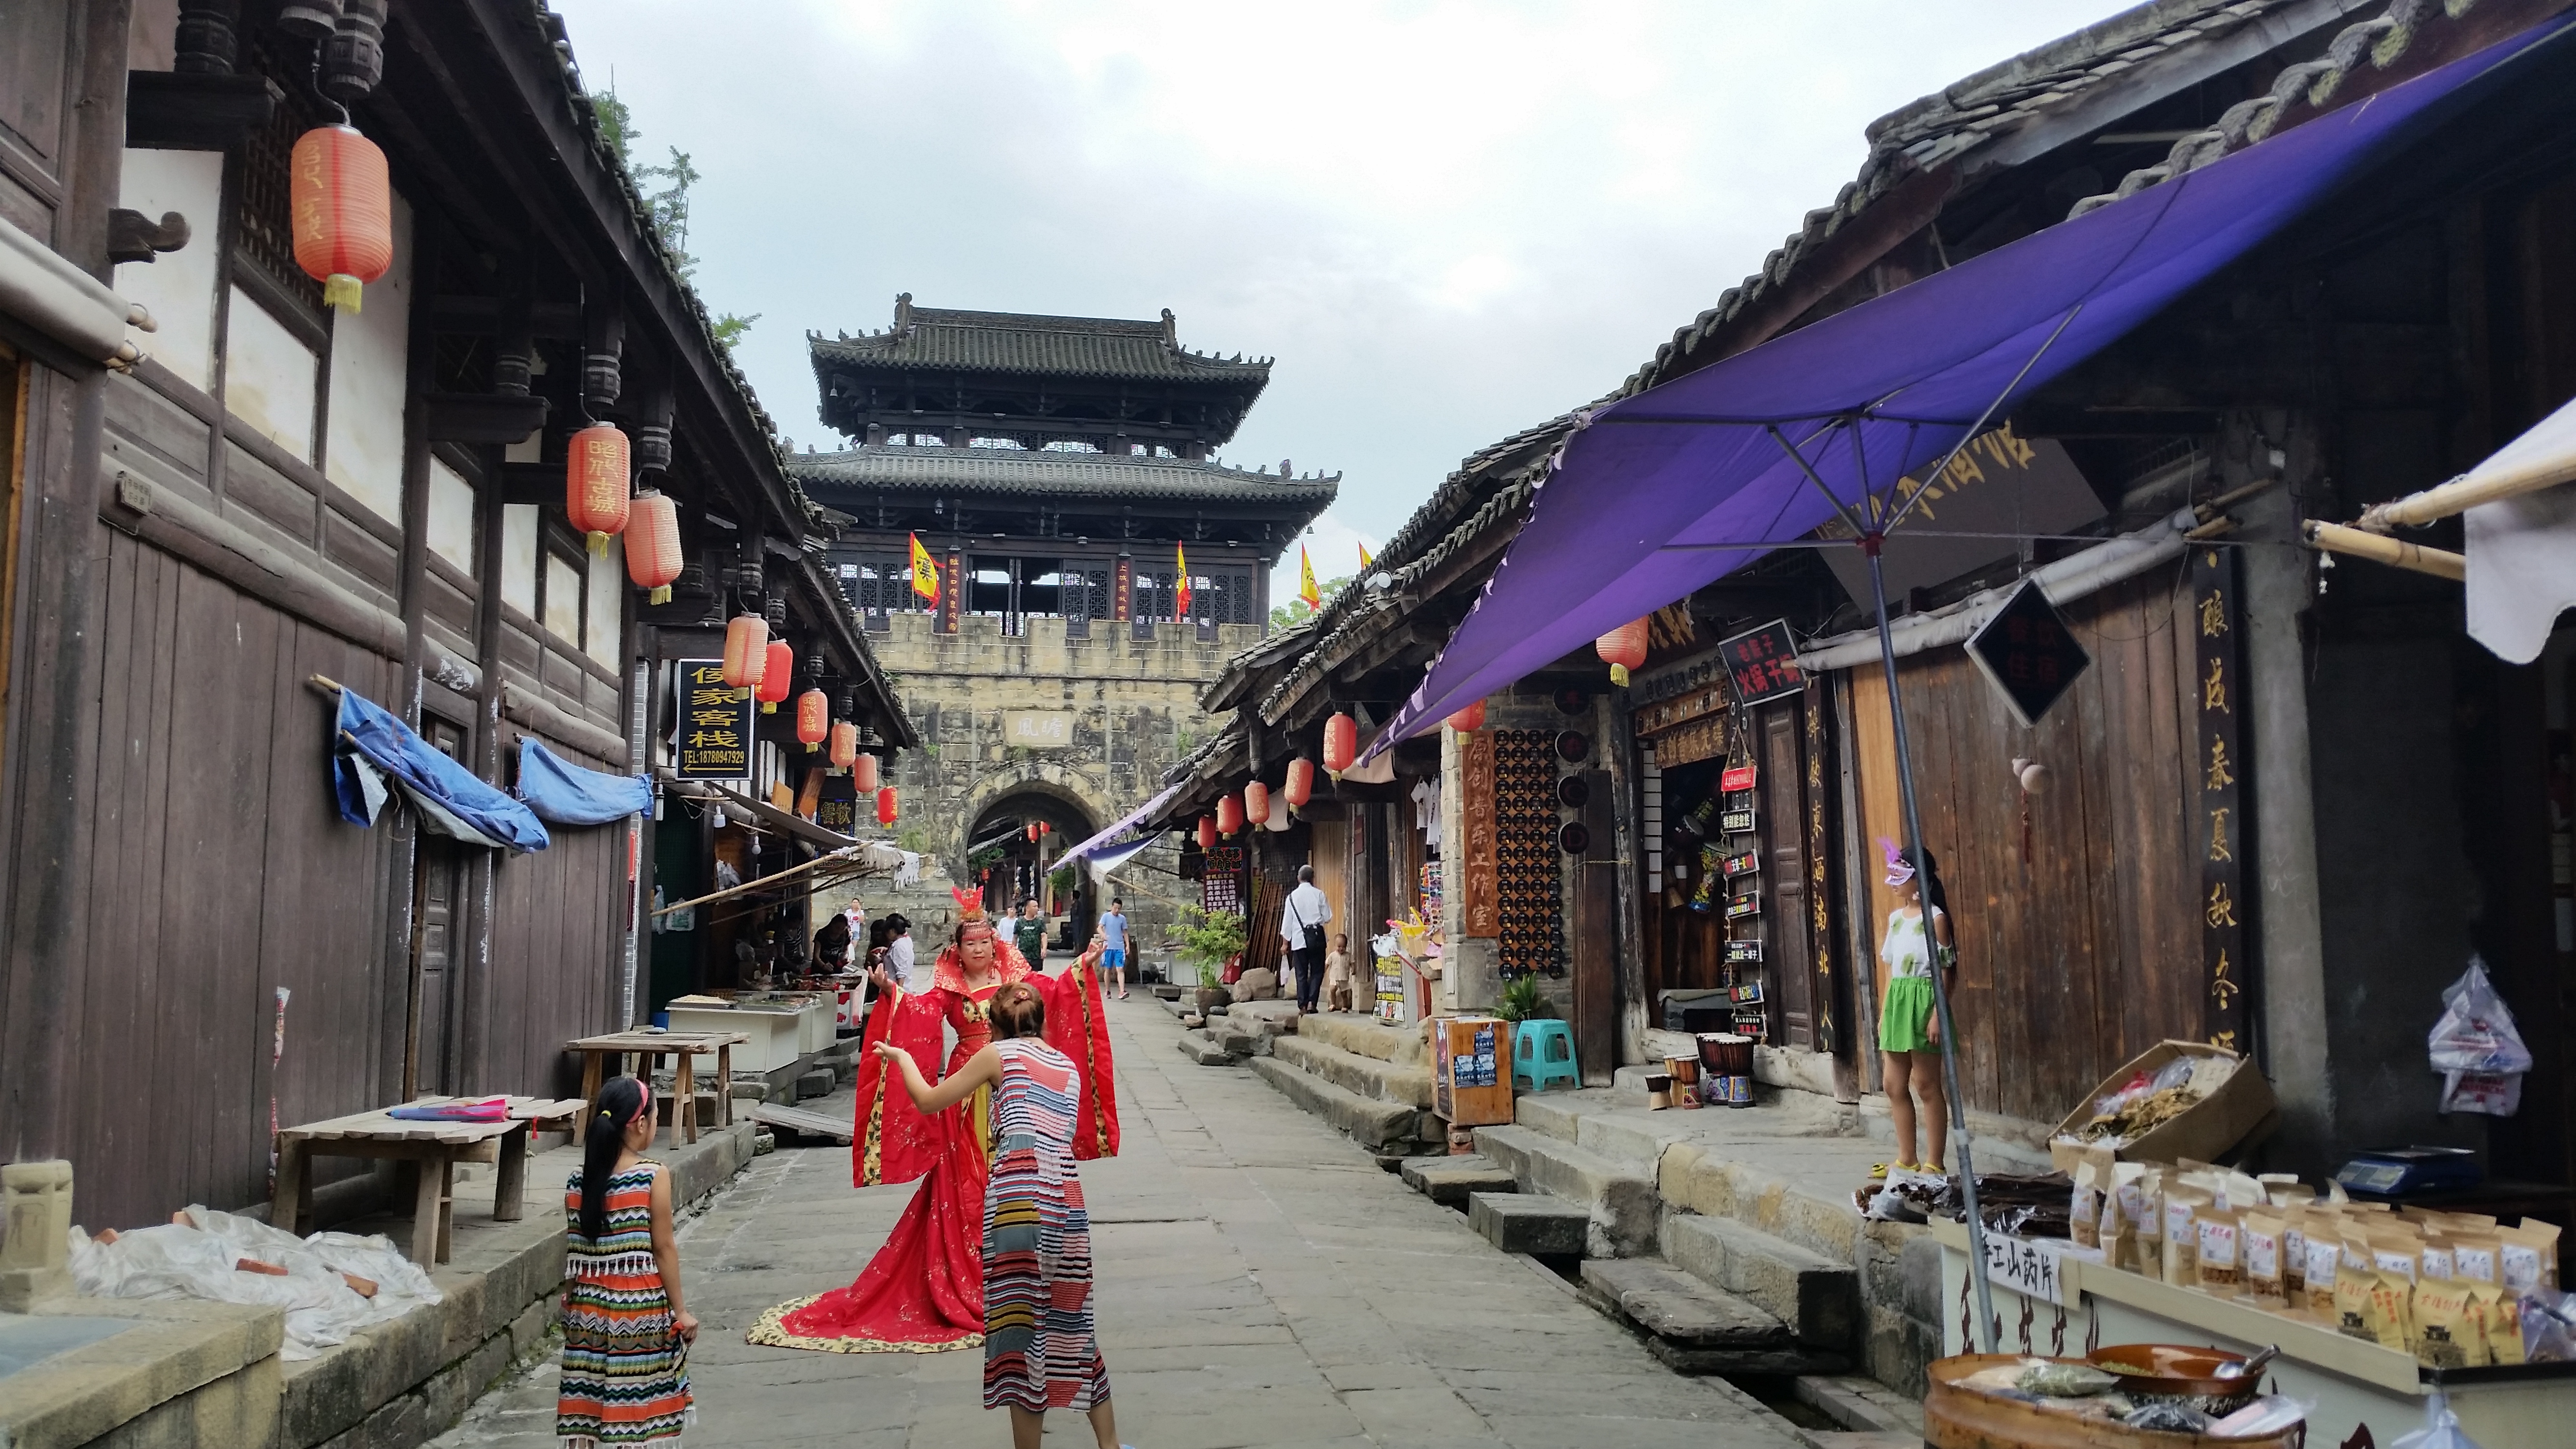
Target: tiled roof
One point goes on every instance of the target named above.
(2012, 111)
(947, 340)
(959, 471)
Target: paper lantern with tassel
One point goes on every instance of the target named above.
(1469, 720)
(339, 205)
(1207, 832)
(1624, 648)
(813, 718)
(1301, 783)
(885, 805)
(1341, 744)
(653, 544)
(777, 676)
(596, 460)
(863, 773)
(746, 652)
(1229, 815)
(1256, 803)
(845, 752)
(1031, 831)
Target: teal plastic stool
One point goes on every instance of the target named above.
(1543, 1052)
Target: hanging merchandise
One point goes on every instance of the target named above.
(1229, 816)
(862, 768)
(596, 474)
(340, 202)
(746, 652)
(1256, 803)
(1341, 744)
(1469, 720)
(653, 544)
(1301, 783)
(777, 676)
(2477, 1048)
(885, 805)
(1624, 649)
(813, 718)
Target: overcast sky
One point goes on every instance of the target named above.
(1446, 220)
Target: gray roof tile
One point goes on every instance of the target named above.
(966, 471)
(943, 339)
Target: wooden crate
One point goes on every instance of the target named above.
(1459, 1094)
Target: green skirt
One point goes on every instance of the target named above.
(1905, 1016)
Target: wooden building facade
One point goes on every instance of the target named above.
(193, 943)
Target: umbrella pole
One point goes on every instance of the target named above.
(1940, 992)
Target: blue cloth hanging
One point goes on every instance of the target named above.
(564, 793)
(374, 750)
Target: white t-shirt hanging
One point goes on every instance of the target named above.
(1426, 810)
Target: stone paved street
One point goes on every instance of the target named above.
(1261, 1282)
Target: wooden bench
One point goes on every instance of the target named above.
(650, 1047)
(436, 1148)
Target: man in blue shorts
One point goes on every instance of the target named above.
(1113, 933)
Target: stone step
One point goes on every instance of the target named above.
(1381, 1127)
(1366, 1036)
(1818, 1298)
(1678, 1308)
(1206, 1050)
(1619, 1198)
(1271, 1018)
(1409, 1083)
(1529, 1223)
(1784, 1362)
(1448, 1180)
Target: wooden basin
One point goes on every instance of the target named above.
(1961, 1418)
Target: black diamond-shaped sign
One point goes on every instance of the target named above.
(2028, 653)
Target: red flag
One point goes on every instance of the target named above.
(1180, 582)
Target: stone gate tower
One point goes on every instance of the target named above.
(1058, 469)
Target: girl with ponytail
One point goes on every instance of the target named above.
(623, 1324)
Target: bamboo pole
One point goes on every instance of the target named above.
(842, 854)
(2396, 553)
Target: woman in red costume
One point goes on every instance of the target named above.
(924, 1290)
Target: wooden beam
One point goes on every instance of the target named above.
(2378, 548)
(171, 111)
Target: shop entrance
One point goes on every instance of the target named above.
(438, 891)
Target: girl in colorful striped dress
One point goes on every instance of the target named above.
(626, 1336)
(1041, 1348)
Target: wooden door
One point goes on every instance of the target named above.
(438, 881)
(1788, 974)
(1596, 936)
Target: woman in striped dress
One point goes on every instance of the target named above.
(626, 1336)
(1041, 1348)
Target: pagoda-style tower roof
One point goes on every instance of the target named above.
(946, 376)
(1156, 492)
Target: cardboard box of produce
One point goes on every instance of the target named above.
(2203, 1131)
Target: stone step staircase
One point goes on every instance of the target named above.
(1369, 1079)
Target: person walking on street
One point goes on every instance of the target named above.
(1029, 933)
(1041, 1338)
(626, 1335)
(1113, 931)
(1301, 925)
(898, 956)
(1909, 1028)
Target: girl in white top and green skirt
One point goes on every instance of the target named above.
(1909, 1026)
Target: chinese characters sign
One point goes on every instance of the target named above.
(1480, 878)
(2218, 768)
(1038, 729)
(1763, 664)
(2027, 651)
(715, 724)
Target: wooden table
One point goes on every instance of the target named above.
(436, 1148)
(651, 1047)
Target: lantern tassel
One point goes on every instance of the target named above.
(599, 545)
(661, 595)
(768, 707)
(342, 291)
(1619, 675)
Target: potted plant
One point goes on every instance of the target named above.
(1524, 1001)
(1209, 941)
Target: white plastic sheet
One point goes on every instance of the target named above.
(195, 1259)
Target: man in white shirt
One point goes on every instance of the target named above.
(1301, 925)
(898, 956)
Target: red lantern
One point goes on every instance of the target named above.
(1469, 720)
(813, 718)
(653, 544)
(1341, 744)
(777, 676)
(1032, 831)
(595, 479)
(1229, 815)
(746, 650)
(1045, 828)
(1256, 803)
(885, 805)
(1301, 783)
(339, 203)
(845, 753)
(1624, 648)
(1207, 832)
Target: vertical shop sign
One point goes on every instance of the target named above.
(2220, 768)
(1479, 883)
(715, 724)
(1820, 915)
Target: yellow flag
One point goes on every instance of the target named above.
(1181, 588)
(1306, 580)
(1366, 563)
(925, 574)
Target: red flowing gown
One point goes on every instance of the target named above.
(924, 1290)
